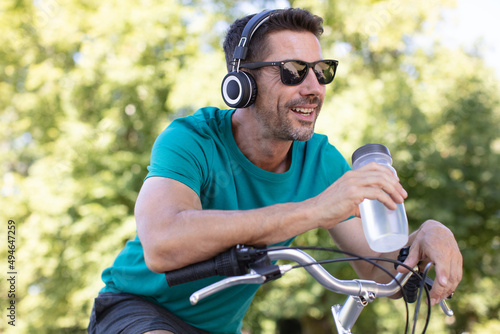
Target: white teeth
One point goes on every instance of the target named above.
(306, 111)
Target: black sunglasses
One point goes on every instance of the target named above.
(293, 72)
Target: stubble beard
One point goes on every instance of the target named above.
(280, 126)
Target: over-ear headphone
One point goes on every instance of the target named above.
(239, 89)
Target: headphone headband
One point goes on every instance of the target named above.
(240, 52)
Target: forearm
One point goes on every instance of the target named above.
(379, 275)
(173, 240)
(349, 236)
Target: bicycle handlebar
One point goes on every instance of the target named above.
(241, 260)
(355, 287)
(224, 264)
(248, 265)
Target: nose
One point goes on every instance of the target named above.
(310, 86)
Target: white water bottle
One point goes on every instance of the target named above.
(385, 230)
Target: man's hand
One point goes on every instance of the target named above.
(434, 242)
(372, 181)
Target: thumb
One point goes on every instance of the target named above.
(412, 260)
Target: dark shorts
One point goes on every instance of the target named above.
(130, 314)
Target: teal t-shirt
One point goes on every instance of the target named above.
(200, 151)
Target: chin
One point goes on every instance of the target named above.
(302, 135)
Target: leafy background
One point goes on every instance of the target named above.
(86, 86)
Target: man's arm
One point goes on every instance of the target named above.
(175, 231)
(432, 242)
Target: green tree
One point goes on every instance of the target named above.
(85, 88)
(85, 91)
(437, 110)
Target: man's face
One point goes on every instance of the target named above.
(289, 112)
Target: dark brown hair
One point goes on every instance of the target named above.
(293, 19)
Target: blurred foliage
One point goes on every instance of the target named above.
(86, 86)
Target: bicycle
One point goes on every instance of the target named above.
(251, 265)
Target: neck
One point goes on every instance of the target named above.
(263, 151)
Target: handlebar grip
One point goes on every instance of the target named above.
(224, 264)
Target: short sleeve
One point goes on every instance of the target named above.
(181, 152)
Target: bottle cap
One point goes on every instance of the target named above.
(368, 149)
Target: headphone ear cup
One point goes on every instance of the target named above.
(239, 89)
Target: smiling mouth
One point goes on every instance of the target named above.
(303, 111)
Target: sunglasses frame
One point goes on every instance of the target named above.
(257, 65)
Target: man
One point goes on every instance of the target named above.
(255, 175)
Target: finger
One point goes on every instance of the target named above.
(381, 196)
(455, 273)
(458, 272)
(389, 183)
(449, 273)
(383, 188)
(439, 289)
(445, 282)
(374, 174)
(377, 168)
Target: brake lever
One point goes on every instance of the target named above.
(444, 306)
(446, 309)
(251, 278)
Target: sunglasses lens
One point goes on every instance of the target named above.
(325, 71)
(293, 72)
